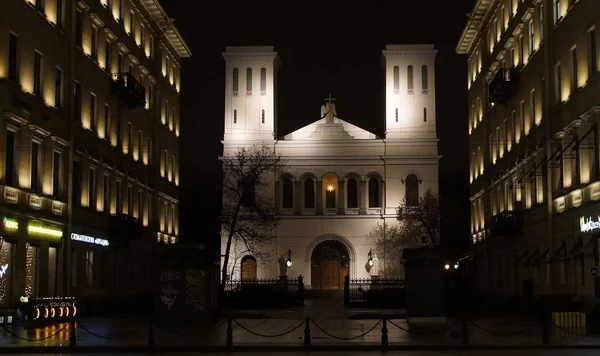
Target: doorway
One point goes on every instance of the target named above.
(248, 268)
(329, 265)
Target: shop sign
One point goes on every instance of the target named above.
(44, 231)
(89, 239)
(10, 224)
(590, 224)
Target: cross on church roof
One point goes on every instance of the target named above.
(329, 99)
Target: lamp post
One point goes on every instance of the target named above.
(370, 256)
(289, 259)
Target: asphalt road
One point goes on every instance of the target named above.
(415, 353)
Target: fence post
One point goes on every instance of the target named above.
(229, 334)
(72, 334)
(347, 291)
(307, 331)
(384, 333)
(151, 332)
(301, 290)
(546, 320)
(465, 332)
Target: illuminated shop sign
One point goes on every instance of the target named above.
(89, 239)
(3, 269)
(590, 224)
(10, 224)
(44, 231)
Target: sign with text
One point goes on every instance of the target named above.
(589, 224)
(89, 239)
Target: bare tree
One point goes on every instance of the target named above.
(249, 216)
(389, 242)
(421, 222)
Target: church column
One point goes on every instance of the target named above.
(298, 197)
(382, 195)
(341, 198)
(319, 191)
(362, 196)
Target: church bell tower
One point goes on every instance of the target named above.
(250, 93)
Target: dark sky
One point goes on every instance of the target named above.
(333, 47)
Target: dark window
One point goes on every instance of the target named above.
(288, 193)
(235, 116)
(574, 67)
(13, 63)
(120, 66)
(35, 155)
(77, 181)
(424, 77)
(37, 73)
(352, 188)
(106, 192)
(79, 28)
(412, 190)
(593, 60)
(93, 111)
(424, 114)
(249, 80)
(94, 43)
(39, 5)
(263, 116)
(236, 79)
(77, 101)
(309, 194)
(58, 88)
(263, 79)
(248, 194)
(374, 201)
(119, 198)
(129, 200)
(396, 114)
(130, 140)
(9, 166)
(107, 122)
(107, 56)
(409, 78)
(92, 189)
(396, 77)
(56, 179)
(559, 83)
(59, 12)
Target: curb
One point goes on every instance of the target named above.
(277, 348)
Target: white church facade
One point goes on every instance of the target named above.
(339, 181)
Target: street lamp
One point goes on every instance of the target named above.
(456, 265)
(289, 259)
(370, 256)
(447, 266)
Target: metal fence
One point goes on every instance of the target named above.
(289, 284)
(376, 291)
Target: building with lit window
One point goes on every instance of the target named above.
(534, 172)
(339, 181)
(89, 128)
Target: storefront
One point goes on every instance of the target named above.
(29, 258)
(90, 259)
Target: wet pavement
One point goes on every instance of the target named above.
(409, 353)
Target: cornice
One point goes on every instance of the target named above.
(250, 55)
(395, 54)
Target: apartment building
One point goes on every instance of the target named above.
(534, 104)
(89, 128)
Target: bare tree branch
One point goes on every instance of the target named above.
(422, 218)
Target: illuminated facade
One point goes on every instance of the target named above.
(89, 126)
(533, 118)
(339, 180)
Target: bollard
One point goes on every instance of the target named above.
(150, 333)
(546, 329)
(465, 332)
(229, 336)
(307, 331)
(72, 334)
(384, 333)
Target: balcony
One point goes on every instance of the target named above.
(129, 91)
(507, 224)
(503, 86)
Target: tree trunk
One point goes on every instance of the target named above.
(228, 248)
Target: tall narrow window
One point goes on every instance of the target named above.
(263, 81)
(593, 61)
(13, 62)
(35, 156)
(531, 37)
(557, 15)
(93, 123)
(139, 143)
(288, 193)
(92, 189)
(424, 79)
(106, 193)
(522, 49)
(121, 10)
(374, 199)
(107, 56)
(249, 81)
(412, 190)
(236, 81)
(574, 68)
(89, 268)
(129, 200)
(37, 73)
(107, 122)
(39, 5)
(409, 79)
(151, 46)
(94, 43)
(172, 118)
(396, 114)
(119, 199)
(513, 124)
(140, 201)
(149, 151)
(166, 120)
(262, 114)
(352, 193)
(79, 28)
(533, 108)
(58, 80)
(130, 139)
(142, 35)
(309, 194)
(558, 84)
(424, 114)
(172, 170)
(59, 13)
(523, 114)
(542, 30)
(132, 23)
(120, 65)
(396, 79)
(56, 176)
(9, 165)
(234, 116)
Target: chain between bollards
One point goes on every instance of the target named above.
(384, 333)
(229, 334)
(307, 331)
(72, 334)
(465, 332)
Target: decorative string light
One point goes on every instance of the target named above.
(5, 259)
(30, 269)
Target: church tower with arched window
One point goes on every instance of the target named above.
(250, 93)
(410, 91)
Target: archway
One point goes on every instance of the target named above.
(248, 268)
(330, 262)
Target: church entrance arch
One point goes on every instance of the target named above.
(330, 263)
(248, 268)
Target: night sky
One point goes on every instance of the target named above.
(325, 48)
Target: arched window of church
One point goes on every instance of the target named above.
(236, 81)
(234, 116)
(396, 79)
(288, 193)
(424, 114)
(263, 81)
(409, 79)
(309, 194)
(352, 191)
(424, 79)
(396, 114)
(249, 81)
(262, 114)
(374, 201)
(412, 190)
